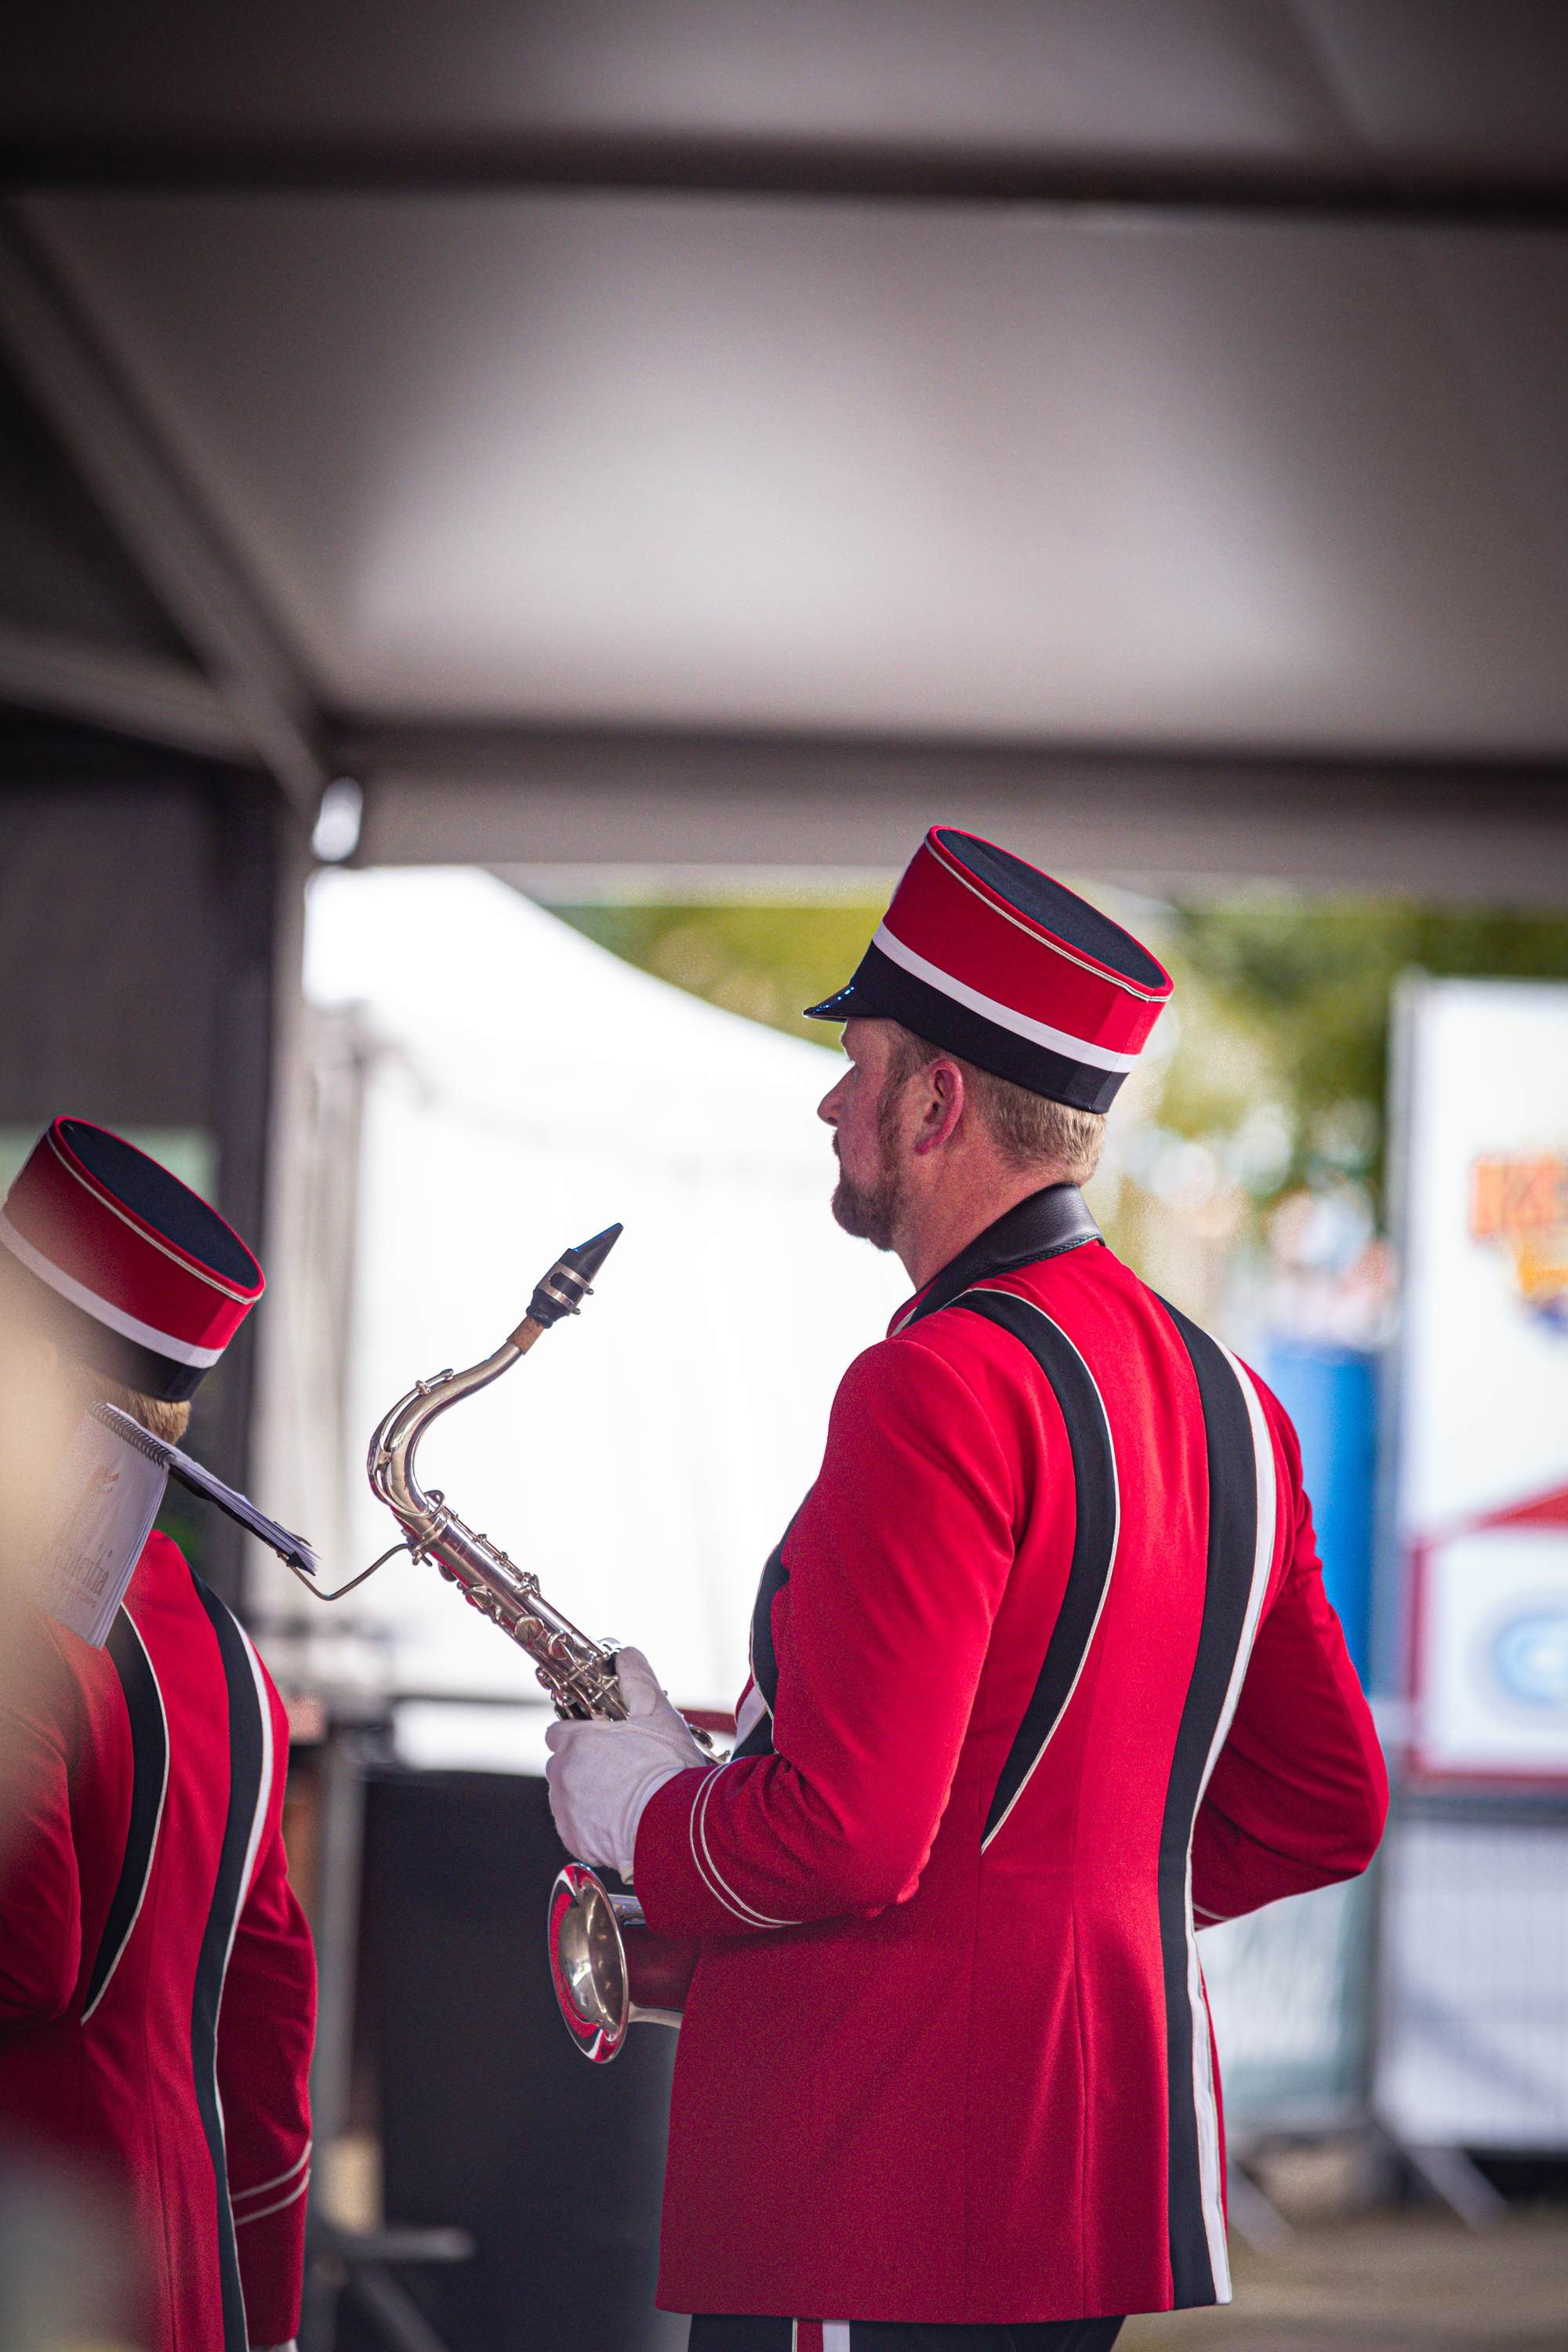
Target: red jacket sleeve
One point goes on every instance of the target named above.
(40, 1893)
(889, 1615)
(1299, 1794)
(267, 2027)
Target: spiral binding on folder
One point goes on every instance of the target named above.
(289, 1547)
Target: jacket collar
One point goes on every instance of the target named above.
(1044, 1225)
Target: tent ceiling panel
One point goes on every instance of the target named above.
(964, 472)
(1166, 75)
(1446, 85)
(1431, 86)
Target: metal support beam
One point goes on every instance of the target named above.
(1461, 2184)
(824, 170)
(1472, 833)
(134, 694)
(164, 529)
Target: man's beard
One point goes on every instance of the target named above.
(870, 1212)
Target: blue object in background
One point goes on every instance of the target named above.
(1330, 1394)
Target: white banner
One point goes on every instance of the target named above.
(1483, 1481)
(1473, 2051)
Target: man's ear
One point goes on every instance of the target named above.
(942, 1105)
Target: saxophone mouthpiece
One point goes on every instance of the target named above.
(590, 1255)
(563, 1290)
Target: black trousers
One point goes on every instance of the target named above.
(722, 2332)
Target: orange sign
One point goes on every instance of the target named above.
(1520, 1202)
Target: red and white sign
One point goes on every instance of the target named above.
(1483, 1484)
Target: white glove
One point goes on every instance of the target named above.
(602, 1774)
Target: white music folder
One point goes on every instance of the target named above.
(97, 1516)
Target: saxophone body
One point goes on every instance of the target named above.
(578, 1673)
(609, 1969)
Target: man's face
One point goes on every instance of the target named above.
(862, 1111)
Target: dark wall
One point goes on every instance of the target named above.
(138, 892)
(489, 2118)
(61, 567)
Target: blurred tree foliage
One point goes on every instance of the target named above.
(1308, 987)
(764, 961)
(1276, 1058)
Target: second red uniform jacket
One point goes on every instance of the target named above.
(1044, 1678)
(157, 1986)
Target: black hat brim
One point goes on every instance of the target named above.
(881, 991)
(853, 1002)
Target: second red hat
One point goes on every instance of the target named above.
(149, 1284)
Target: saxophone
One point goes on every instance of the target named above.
(609, 1969)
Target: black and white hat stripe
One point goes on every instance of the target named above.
(1004, 1016)
(103, 1310)
(882, 988)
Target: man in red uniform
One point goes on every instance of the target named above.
(157, 1986)
(1042, 1678)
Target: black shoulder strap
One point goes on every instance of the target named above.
(1096, 1523)
(1045, 1225)
(149, 1783)
(759, 1740)
(249, 1775)
(1050, 1221)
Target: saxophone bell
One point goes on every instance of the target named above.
(609, 1969)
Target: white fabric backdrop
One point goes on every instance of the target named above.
(529, 1088)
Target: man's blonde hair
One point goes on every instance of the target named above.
(1028, 1130)
(155, 1414)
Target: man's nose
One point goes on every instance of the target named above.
(827, 1109)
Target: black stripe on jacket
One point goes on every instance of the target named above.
(1096, 1525)
(1045, 1225)
(1232, 1555)
(759, 1740)
(148, 1781)
(246, 1750)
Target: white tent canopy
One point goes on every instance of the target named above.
(527, 1089)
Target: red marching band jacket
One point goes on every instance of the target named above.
(1044, 1679)
(157, 1985)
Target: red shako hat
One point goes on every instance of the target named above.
(150, 1283)
(991, 959)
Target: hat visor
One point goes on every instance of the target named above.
(853, 1002)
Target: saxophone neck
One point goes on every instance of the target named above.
(390, 1463)
(559, 1293)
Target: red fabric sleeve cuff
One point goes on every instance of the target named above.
(271, 2270)
(680, 1891)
